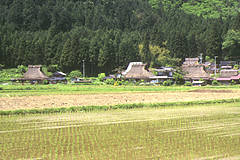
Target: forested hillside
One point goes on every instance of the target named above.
(108, 34)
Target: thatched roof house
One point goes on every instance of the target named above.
(137, 71)
(228, 73)
(193, 70)
(226, 76)
(34, 73)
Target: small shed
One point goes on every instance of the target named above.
(57, 77)
(59, 74)
(165, 71)
(162, 74)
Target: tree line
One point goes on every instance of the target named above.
(108, 34)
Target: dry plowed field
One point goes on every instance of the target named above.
(47, 101)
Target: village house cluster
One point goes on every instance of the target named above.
(194, 72)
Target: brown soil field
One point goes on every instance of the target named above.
(48, 101)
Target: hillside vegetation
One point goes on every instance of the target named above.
(108, 34)
(204, 8)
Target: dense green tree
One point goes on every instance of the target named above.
(232, 45)
(68, 60)
(106, 52)
(15, 14)
(43, 18)
(128, 49)
(177, 44)
(75, 74)
(214, 42)
(108, 34)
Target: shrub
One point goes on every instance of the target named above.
(233, 82)
(110, 81)
(119, 83)
(1, 66)
(45, 81)
(178, 78)
(215, 83)
(167, 83)
(141, 82)
(236, 67)
(21, 69)
(188, 84)
(75, 74)
(53, 68)
(116, 83)
(45, 71)
(126, 82)
(101, 76)
(130, 83)
(97, 82)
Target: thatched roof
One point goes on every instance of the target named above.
(136, 70)
(228, 73)
(195, 72)
(191, 61)
(34, 73)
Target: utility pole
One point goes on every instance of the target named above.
(215, 72)
(200, 57)
(83, 68)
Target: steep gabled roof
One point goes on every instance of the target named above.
(195, 72)
(136, 70)
(34, 73)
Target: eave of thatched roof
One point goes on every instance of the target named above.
(137, 71)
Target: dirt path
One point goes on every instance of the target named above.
(47, 101)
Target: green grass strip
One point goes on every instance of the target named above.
(113, 107)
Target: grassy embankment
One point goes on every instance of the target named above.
(194, 132)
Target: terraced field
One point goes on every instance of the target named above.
(194, 132)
